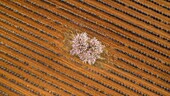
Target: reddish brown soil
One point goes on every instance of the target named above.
(42, 72)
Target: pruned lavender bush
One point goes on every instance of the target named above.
(88, 50)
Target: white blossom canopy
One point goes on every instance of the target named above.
(88, 50)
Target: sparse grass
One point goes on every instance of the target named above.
(82, 46)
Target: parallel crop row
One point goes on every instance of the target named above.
(30, 48)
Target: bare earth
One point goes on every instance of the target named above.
(34, 47)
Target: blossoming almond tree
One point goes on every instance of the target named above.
(88, 50)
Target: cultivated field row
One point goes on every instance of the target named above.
(34, 60)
